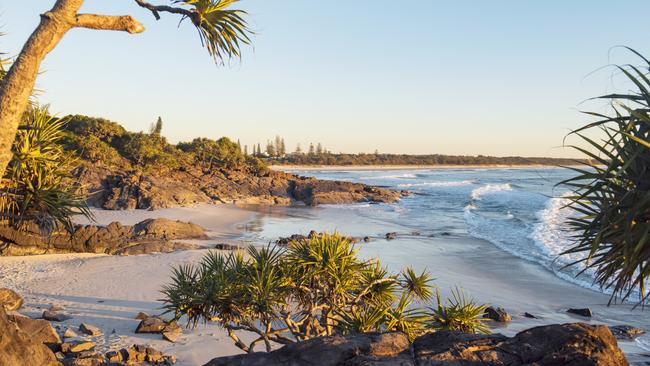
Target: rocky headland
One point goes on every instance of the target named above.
(115, 189)
(122, 170)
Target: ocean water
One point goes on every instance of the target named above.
(520, 211)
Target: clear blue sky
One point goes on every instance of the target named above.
(452, 77)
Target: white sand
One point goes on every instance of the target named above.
(108, 291)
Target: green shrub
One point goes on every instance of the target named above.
(211, 153)
(313, 288)
(458, 313)
(99, 128)
(92, 149)
(150, 152)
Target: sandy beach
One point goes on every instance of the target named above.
(108, 291)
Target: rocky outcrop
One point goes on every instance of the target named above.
(10, 300)
(166, 229)
(586, 312)
(17, 347)
(38, 330)
(497, 314)
(154, 235)
(170, 330)
(552, 345)
(116, 189)
(626, 332)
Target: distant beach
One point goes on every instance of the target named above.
(400, 167)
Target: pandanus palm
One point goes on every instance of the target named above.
(36, 187)
(315, 287)
(611, 193)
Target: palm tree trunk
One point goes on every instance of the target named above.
(18, 84)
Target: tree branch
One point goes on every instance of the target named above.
(156, 9)
(124, 23)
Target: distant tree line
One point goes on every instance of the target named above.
(277, 149)
(314, 157)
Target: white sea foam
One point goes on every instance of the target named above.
(440, 184)
(550, 232)
(490, 188)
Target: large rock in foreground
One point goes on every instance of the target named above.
(20, 348)
(149, 236)
(575, 344)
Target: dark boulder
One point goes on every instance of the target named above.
(586, 312)
(391, 236)
(55, 316)
(565, 344)
(326, 351)
(497, 314)
(626, 332)
(224, 246)
(292, 238)
(574, 344)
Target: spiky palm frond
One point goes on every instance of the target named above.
(457, 313)
(417, 285)
(363, 320)
(36, 185)
(406, 319)
(222, 30)
(611, 194)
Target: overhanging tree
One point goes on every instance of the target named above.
(221, 30)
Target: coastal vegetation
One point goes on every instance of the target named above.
(328, 158)
(315, 287)
(222, 31)
(611, 195)
(102, 141)
(37, 187)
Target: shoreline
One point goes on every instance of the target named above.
(108, 291)
(403, 167)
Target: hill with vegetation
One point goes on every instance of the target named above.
(119, 169)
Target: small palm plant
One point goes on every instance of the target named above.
(611, 194)
(458, 314)
(313, 288)
(36, 187)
